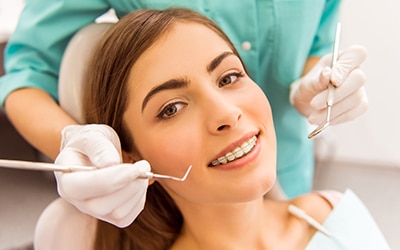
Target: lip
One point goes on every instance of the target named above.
(231, 147)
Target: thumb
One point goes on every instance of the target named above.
(99, 143)
(324, 79)
(317, 78)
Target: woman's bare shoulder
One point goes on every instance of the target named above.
(318, 204)
(62, 226)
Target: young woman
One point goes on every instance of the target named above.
(175, 90)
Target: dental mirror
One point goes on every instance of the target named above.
(331, 87)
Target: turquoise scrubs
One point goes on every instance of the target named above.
(274, 37)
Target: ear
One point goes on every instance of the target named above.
(132, 158)
(128, 157)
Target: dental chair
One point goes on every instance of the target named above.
(74, 65)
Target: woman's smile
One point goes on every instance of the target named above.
(230, 155)
(236, 153)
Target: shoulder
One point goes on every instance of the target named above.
(333, 197)
(318, 204)
(62, 226)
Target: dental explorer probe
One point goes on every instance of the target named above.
(331, 87)
(44, 166)
(149, 175)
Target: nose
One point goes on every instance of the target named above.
(223, 115)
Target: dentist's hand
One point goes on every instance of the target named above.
(308, 94)
(112, 193)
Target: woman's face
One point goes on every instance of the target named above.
(191, 103)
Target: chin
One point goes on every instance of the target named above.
(255, 188)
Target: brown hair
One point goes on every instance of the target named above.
(105, 101)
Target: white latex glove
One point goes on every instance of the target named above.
(308, 94)
(112, 193)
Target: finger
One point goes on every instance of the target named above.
(355, 81)
(120, 215)
(126, 221)
(84, 185)
(115, 205)
(104, 148)
(304, 93)
(348, 60)
(354, 108)
(352, 83)
(124, 214)
(342, 111)
(317, 117)
(99, 143)
(322, 82)
(72, 157)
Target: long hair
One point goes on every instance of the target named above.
(105, 101)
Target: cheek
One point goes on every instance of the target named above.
(171, 151)
(258, 99)
(168, 151)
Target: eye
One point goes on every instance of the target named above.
(170, 110)
(230, 78)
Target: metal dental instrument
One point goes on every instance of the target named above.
(44, 166)
(331, 87)
(149, 175)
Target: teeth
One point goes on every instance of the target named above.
(237, 153)
(223, 160)
(229, 156)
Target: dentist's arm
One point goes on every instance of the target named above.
(28, 90)
(38, 118)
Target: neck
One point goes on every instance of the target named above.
(228, 226)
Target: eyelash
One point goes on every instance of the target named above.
(163, 113)
(238, 76)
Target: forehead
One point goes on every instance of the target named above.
(185, 49)
(186, 38)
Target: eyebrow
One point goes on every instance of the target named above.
(217, 61)
(170, 84)
(177, 83)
